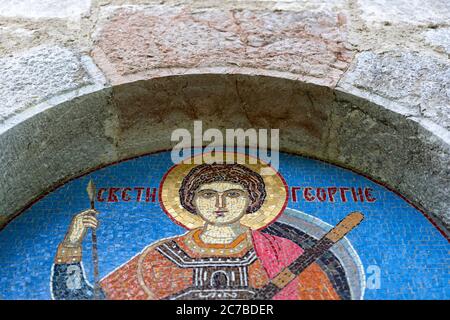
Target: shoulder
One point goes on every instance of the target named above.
(159, 247)
(274, 252)
(275, 243)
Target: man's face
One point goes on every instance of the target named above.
(221, 203)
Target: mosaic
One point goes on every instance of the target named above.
(145, 229)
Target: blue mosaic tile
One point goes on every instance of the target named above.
(394, 253)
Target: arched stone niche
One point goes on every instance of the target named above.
(72, 137)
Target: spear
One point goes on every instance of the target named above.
(91, 193)
(309, 256)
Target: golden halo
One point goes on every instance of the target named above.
(274, 203)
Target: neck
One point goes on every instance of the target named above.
(222, 234)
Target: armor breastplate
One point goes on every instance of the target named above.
(213, 277)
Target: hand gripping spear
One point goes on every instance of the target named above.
(91, 193)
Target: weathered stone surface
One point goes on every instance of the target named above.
(15, 37)
(294, 5)
(416, 12)
(68, 9)
(135, 40)
(54, 145)
(428, 175)
(439, 39)
(149, 111)
(394, 150)
(419, 83)
(306, 4)
(19, 35)
(38, 74)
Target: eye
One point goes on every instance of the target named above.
(207, 195)
(234, 194)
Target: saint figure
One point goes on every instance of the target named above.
(220, 258)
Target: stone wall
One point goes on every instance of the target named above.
(364, 84)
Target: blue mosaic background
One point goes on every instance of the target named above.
(411, 253)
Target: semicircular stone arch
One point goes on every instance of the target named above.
(131, 119)
(357, 85)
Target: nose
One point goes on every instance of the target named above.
(220, 201)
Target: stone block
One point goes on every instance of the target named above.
(413, 83)
(146, 40)
(38, 74)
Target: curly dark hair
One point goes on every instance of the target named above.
(234, 173)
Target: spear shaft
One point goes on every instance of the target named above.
(91, 194)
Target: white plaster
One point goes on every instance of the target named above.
(405, 11)
(439, 39)
(36, 9)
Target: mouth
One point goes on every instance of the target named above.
(220, 213)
